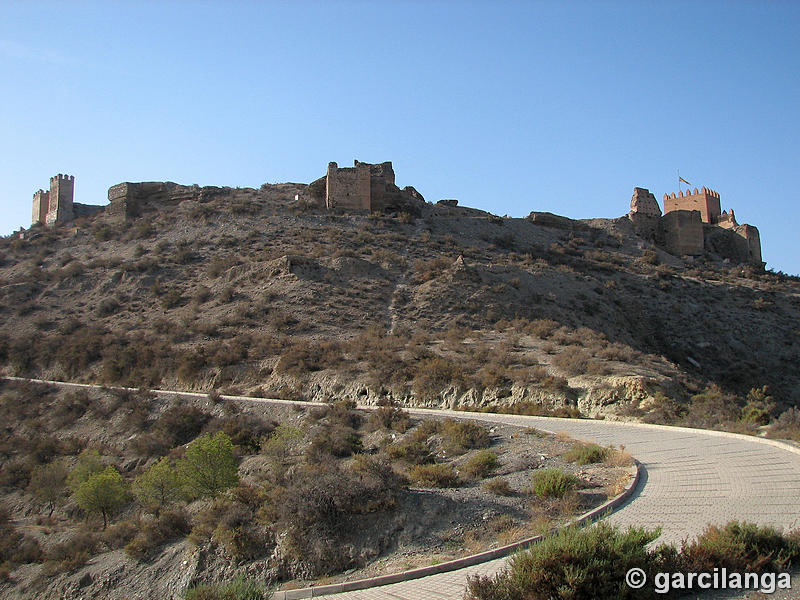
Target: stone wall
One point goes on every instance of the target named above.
(681, 232)
(727, 220)
(645, 213)
(364, 187)
(348, 188)
(130, 200)
(753, 239)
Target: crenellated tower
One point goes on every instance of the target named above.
(41, 204)
(705, 200)
(62, 191)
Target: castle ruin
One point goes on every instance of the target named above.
(694, 223)
(56, 204)
(364, 187)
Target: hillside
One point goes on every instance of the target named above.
(260, 291)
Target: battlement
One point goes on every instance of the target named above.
(704, 191)
(704, 200)
(61, 177)
(55, 205)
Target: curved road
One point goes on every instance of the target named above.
(690, 478)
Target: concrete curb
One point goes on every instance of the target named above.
(460, 563)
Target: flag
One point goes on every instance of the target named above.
(684, 181)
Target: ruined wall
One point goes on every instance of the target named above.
(644, 213)
(705, 200)
(129, 200)
(41, 204)
(348, 188)
(382, 189)
(681, 232)
(727, 220)
(753, 239)
(62, 189)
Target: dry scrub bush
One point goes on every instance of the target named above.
(319, 507)
(498, 486)
(425, 270)
(572, 360)
(434, 475)
(481, 464)
(388, 417)
(460, 436)
(304, 357)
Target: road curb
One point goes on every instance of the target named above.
(453, 565)
(360, 584)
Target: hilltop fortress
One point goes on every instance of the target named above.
(692, 223)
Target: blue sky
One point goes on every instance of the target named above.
(506, 106)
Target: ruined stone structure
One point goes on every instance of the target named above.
(692, 224)
(129, 200)
(56, 205)
(364, 187)
(645, 213)
(682, 232)
(41, 204)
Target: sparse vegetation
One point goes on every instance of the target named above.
(434, 475)
(593, 562)
(553, 483)
(586, 454)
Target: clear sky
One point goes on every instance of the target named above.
(506, 106)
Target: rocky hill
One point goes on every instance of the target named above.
(267, 292)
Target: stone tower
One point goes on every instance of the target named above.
(62, 188)
(41, 204)
(705, 200)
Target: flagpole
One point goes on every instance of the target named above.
(679, 180)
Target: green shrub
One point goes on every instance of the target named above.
(440, 475)
(209, 466)
(575, 564)
(104, 492)
(481, 464)
(586, 454)
(591, 563)
(553, 483)
(238, 589)
(743, 547)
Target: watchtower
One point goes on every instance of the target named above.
(41, 204)
(705, 200)
(62, 190)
